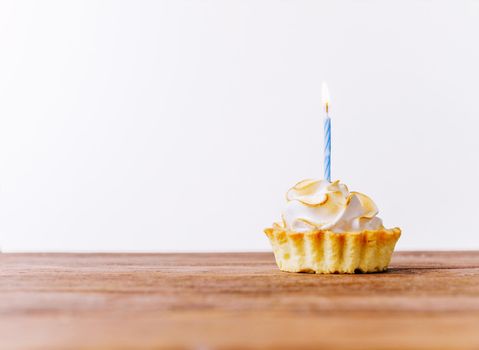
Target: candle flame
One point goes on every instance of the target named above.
(325, 96)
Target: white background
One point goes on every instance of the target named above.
(179, 125)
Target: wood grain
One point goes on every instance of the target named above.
(427, 300)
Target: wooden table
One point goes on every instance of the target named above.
(427, 300)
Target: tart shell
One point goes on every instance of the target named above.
(329, 252)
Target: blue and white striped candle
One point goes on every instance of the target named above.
(327, 134)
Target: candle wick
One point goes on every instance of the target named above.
(327, 107)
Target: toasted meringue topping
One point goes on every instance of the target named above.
(319, 204)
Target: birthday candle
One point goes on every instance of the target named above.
(327, 134)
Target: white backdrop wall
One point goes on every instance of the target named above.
(179, 125)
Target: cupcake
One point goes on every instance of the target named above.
(325, 228)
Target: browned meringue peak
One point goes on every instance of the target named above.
(319, 204)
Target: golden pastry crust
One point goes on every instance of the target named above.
(329, 252)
